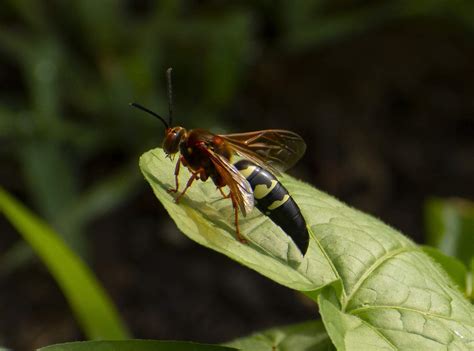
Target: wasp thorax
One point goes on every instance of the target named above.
(173, 138)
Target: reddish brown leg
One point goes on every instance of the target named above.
(176, 173)
(224, 195)
(236, 219)
(188, 184)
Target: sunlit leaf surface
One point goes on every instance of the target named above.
(207, 218)
(385, 292)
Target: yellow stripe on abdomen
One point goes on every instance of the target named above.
(278, 203)
(262, 190)
(247, 171)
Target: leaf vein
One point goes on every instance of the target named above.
(331, 264)
(372, 268)
(379, 332)
(359, 310)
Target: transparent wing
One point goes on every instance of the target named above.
(238, 185)
(276, 149)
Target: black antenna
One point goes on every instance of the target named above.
(170, 96)
(140, 107)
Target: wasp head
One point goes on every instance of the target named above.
(173, 137)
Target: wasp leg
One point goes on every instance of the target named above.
(176, 173)
(188, 184)
(224, 195)
(236, 219)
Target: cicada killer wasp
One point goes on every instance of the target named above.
(251, 181)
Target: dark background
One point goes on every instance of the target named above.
(382, 92)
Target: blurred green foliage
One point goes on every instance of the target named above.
(81, 62)
(94, 310)
(450, 227)
(308, 23)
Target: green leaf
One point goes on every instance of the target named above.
(297, 337)
(135, 345)
(455, 269)
(384, 290)
(348, 332)
(450, 227)
(394, 296)
(93, 308)
(205, 217)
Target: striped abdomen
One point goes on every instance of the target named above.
(273, 200)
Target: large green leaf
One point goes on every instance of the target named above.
(385, 286)
(207, 218)
(135, 345)
(407, 305)
(93, 309)
(308, 336)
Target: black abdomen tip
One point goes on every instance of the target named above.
(273, 200)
